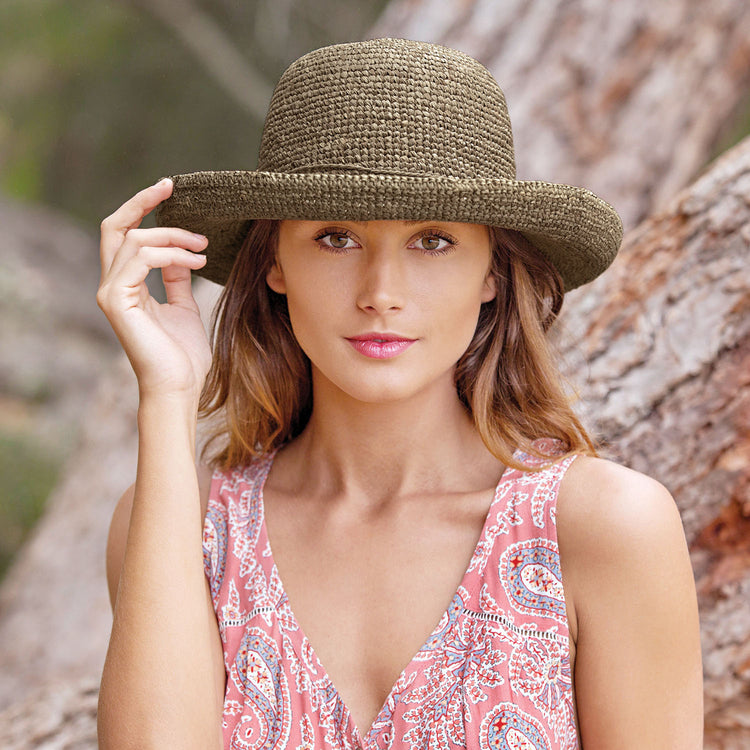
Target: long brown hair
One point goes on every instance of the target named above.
(259, 386)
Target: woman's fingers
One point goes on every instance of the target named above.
(123, 288)
(128, 216)
(178, 285)
(136, 239)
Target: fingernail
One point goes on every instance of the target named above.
(163, 182)
(199, 236)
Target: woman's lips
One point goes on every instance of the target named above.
(380, 346)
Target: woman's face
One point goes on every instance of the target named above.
(383, 309)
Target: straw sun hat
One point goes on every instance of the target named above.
(392, 129)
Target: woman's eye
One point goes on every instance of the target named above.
(431, 243)
(334, 240)
(339, 240)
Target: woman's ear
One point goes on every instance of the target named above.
(275, 278)
(489, 288)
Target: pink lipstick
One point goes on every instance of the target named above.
(380, 345)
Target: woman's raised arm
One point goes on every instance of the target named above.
(162, 684)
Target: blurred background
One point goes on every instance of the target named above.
(635, 100)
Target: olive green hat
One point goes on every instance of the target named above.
(392, 129)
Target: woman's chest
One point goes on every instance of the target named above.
(368, 593)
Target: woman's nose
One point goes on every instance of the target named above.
(382, 285)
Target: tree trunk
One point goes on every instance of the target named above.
(660, 345)
(599, 95)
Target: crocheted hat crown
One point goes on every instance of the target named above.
(388, 106)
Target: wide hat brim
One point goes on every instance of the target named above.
(576, 230)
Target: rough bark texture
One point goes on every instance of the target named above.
(57, 716)
(660, 345)
(625, 98)
(55, 615)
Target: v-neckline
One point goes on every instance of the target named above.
(428, 641)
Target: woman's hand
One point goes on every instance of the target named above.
(166, 343)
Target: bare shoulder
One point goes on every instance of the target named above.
(615, 527)
(605, 507)
(116, 541)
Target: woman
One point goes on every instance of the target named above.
(408, 538)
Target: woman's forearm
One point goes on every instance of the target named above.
(158, 688)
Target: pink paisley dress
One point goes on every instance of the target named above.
(494, 673)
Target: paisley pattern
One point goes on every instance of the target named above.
(259, 675)
(507, 727)
(530, 572)
(215, 547)
(494, 672)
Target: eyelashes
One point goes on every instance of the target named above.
(449, 247)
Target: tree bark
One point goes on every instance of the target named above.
(57, 715)
(660, 345)
(54, 609)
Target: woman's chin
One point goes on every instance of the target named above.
(381, 389)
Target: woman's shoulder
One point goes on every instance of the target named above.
(600, 499)
(631, 601)
(619, 530)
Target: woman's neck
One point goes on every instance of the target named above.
(373, 451)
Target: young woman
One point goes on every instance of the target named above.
(401, 535)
